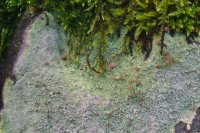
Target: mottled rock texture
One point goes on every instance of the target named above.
(137, 96)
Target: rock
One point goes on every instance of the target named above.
(68, 100)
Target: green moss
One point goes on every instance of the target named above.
(91, 22)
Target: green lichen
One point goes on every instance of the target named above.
(4, 123)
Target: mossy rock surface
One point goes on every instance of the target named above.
(52, 95)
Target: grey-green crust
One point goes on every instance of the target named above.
(53, 96)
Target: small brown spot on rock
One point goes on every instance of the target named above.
(138, 82)
(158, 42)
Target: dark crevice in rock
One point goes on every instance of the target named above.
(7, 64)
(195, 126)
(181, 127)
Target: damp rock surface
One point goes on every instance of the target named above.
(135, 96)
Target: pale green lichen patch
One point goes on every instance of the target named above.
(4, 124)
(125, 74)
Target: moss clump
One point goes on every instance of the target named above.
(92, 22)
